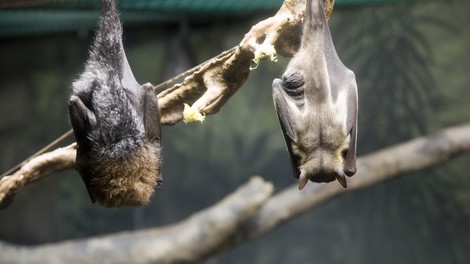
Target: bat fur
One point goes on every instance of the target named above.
(116, 122)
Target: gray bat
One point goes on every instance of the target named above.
(316, 103)
(116, 122)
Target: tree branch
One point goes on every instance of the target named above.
(35, 169)
(245, 214)
(186, 241)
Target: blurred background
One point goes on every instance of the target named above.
(412, 67)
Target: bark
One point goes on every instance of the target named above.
(245, 214)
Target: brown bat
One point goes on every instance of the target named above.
(116, 122)
(316, 103)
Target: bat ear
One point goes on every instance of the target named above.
(81, 117)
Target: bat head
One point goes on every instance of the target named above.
(323, 159)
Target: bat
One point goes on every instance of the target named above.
(116, 122)
(316, 104)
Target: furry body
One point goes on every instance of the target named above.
(316, 103)
(116, 122)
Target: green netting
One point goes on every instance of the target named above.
(83, 14)
(17, 23)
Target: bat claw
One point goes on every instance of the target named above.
(341, 179)
(303, 180)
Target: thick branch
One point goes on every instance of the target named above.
(36, 169)
(236, 219)
(187, 241)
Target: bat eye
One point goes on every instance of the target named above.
(293, 81)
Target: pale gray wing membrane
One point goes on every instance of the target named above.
(283, 114)
(351, 122)
(341, 78)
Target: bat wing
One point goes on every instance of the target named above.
(81, 118)
(133, 89)
(143, 100)
(343, 80)
(283, 114)
(151, 114)
(128, 80)
(351, 124)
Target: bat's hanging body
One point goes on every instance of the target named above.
(116, 122)
(316, 103)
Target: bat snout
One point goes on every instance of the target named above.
(320, 177)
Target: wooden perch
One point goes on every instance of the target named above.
(245, 214)
(37, 168)
(201, 233)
